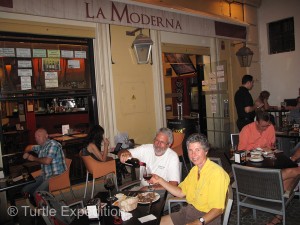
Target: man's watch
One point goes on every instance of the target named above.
(202, 220)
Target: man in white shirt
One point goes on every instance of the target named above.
(158, 156)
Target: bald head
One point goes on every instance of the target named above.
(41, 136)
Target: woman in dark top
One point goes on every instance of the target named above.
(95, 139)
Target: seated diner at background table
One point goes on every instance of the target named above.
(297, 106)
(294, 115)
(262, 103)
(258, 134)
(162, 160)
(93, 148)
(205, 187)
(288, 176)
(94, 141)
(52, 160)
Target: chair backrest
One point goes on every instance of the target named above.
(234, 139)
(61, 181)
(216, 160)
(97, 168)
(177, 143)
(228, 205)
(259, 183)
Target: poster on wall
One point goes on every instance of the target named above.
(23, 52)
(50, 64)
(80, 54)
(67, 54)
(39, 53)
(24, 64)
(25, 83)
(7, 52)
(24, 72)
(73, 64)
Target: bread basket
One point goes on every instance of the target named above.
(128, 204)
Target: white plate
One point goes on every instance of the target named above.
(157, 196)
(256, 159)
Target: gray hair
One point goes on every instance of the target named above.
(167, 132)
(200, 138)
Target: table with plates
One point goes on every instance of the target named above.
(156, 209)
(278, 161)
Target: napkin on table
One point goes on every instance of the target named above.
(125, 215)
(147, 218)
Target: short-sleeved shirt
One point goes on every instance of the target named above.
(210, 190)
(243, 99)
(166, 166)
(51, 149)
(250, 138)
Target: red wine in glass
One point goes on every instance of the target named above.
(147, 176)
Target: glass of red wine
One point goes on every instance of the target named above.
(109, 185)
(147, 174)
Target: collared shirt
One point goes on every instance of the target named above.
(166, 166)
(210, 190)
(251, 138)
(51, 149)
(243, 99)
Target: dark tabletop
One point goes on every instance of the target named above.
(280, 162)
(4, 186)
(141, 210)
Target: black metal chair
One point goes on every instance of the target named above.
(261, 189)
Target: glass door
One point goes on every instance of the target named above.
(215, 91)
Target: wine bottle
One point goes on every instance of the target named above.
(134, 162)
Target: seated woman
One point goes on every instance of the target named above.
(94, 140)
(262, 103)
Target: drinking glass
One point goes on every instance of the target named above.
(147, 174)
(25, 174)
(109, 185)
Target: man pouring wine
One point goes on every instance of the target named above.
(158, 157)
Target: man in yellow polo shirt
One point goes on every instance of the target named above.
(205, 187)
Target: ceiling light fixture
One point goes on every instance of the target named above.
(142, 46)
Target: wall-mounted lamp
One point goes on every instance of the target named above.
(142, 46)
(244, 55)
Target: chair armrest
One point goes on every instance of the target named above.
(36, 173)
(174, 200)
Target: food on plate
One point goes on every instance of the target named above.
(128, 204)
(255, 156)
(120, 196)
(146, 197)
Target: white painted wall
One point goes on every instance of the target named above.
(280, 72)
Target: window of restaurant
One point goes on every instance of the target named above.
(46, 81)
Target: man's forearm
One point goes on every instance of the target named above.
(43, 160)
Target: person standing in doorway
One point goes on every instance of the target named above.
(244, 103)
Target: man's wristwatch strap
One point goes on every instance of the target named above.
(202, 220)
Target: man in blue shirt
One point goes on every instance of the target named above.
(50, 156)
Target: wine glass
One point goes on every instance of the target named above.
(147, 174)
(109, 185)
